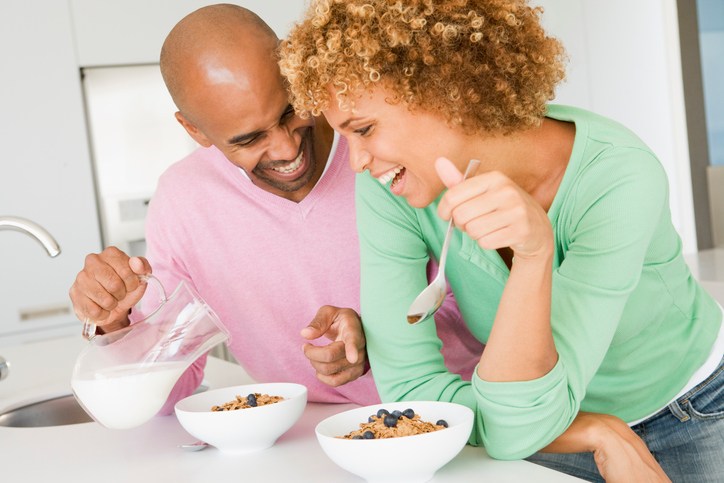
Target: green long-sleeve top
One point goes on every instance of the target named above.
(629, 322)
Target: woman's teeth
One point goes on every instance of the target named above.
(385, 178)
(290, 168)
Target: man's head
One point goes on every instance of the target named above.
(220, 66)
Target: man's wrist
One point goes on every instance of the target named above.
(115, 325)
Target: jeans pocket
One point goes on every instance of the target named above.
(706, 401)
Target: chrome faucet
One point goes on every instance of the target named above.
(4, 368)
(33, 230)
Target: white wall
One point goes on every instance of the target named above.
(123, 32)
(625, 64)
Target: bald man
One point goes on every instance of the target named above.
(260, 220)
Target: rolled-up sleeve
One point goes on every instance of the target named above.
(544, 403)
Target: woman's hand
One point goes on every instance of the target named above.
(495, 212)
(620, 455)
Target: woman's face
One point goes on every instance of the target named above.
(396, 145)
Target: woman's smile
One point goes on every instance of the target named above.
(396, 175)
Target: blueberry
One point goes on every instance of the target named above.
(357, 437)
(371, 419)
(396, 413)
(408, 413)
(368, 435)
(251, 400)
(382, 412)
(442, 422)
(390, 421)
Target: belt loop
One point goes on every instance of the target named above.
(678, 412)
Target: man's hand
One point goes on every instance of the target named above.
(108, 287)
(620, 455)
(342, 360)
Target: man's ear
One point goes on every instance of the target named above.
(193, 131)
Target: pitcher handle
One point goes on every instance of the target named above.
(89, 327)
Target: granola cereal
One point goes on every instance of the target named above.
(250, 401)
(394, 425)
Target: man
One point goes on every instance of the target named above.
(259, 220)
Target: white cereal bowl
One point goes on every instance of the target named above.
(242, 430)
(404, 459)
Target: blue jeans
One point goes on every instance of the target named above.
(686, 438)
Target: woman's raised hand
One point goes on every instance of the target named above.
(494, 211)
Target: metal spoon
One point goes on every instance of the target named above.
(195, 446)
(431, 298)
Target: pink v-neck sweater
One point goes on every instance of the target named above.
(265, 265)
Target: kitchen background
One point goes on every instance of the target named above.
(87, 125)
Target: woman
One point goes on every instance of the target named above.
(566, 264)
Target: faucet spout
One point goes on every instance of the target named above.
(33, 230)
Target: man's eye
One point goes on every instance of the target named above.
(248, 142)
(288, 113)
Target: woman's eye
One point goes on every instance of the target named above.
(364, 131)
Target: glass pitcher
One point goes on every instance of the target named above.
(123, 378)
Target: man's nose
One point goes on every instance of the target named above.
(285, 144)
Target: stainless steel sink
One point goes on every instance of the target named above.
(51, 412)
(58, 411)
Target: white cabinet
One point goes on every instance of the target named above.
(115, 32)
(45, 168)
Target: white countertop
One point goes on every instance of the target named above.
(91, 453)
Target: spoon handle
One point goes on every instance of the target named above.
(472, 167)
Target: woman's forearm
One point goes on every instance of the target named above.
(620, 455)
(586, 432)
(520, 346)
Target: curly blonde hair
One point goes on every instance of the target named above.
(485, 65)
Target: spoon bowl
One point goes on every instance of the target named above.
(431, 298)
(195, 446)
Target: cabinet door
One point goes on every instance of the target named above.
(132, 31)
(45, 168)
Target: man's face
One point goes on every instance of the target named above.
(247, 116)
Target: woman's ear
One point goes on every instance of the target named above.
(193, 131)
